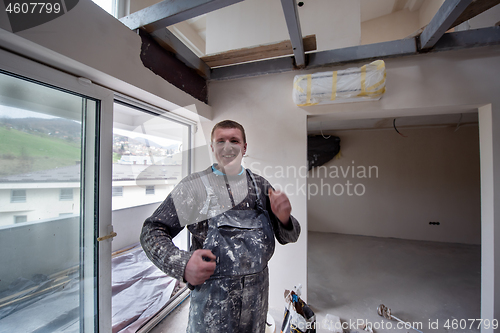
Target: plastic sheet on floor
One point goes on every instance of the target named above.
(51, 304)
(140, 290)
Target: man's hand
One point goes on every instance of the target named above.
(280, 205)
(200, 267)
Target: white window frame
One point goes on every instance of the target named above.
(54, 75)
(98, 171)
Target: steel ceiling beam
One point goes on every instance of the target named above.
(270, 66)
(318, 59)
(446, 15)
(169, 12)
(394, 48)
(449, 42)
(475, 8)
(293, 24)
(169, 41)
(468, 39)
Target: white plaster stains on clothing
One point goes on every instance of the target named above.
(165, 223)
(230, 254)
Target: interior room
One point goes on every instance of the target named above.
(408, 177)
(404, 214)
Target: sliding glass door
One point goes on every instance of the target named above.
(50, 195)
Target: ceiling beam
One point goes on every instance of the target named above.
(449, 42)
(270, 66)
(393, 48)
(318, 59)
(475, 8)
(449, 11)
(468, 39)
(169, 12)
(290, 10)
(170, 42)
(260, 52)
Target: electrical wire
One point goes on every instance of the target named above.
(324, 137)
(394, 124)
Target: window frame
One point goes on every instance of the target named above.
(97, 180)
(29, 60)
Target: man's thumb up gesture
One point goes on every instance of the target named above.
(280, 205)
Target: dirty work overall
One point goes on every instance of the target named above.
(234, 298)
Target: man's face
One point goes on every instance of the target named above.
(228, 148)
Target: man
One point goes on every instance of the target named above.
(233, 216)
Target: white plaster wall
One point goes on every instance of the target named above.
(428, 10)
(276, 132)
(336, 24)
(431, 175)
(136, 5)
(486, 19)
(394, 26)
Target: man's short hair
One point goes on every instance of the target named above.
(229, 124)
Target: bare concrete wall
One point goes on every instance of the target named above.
(56, 239)
(398, 185)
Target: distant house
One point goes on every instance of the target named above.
(56, 192)
(175, 159)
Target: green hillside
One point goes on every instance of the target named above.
(22, 152)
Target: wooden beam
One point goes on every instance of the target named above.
(474, 9)
(260, 52)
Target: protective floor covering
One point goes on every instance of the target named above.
(45, 304)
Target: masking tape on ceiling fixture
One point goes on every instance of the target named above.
(351, 85)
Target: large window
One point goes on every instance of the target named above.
(48, 225)
(150, 156)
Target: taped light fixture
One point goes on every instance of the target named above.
(350, 85)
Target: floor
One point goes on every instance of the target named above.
(425, 283)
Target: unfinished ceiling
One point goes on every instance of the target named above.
(268, 36)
